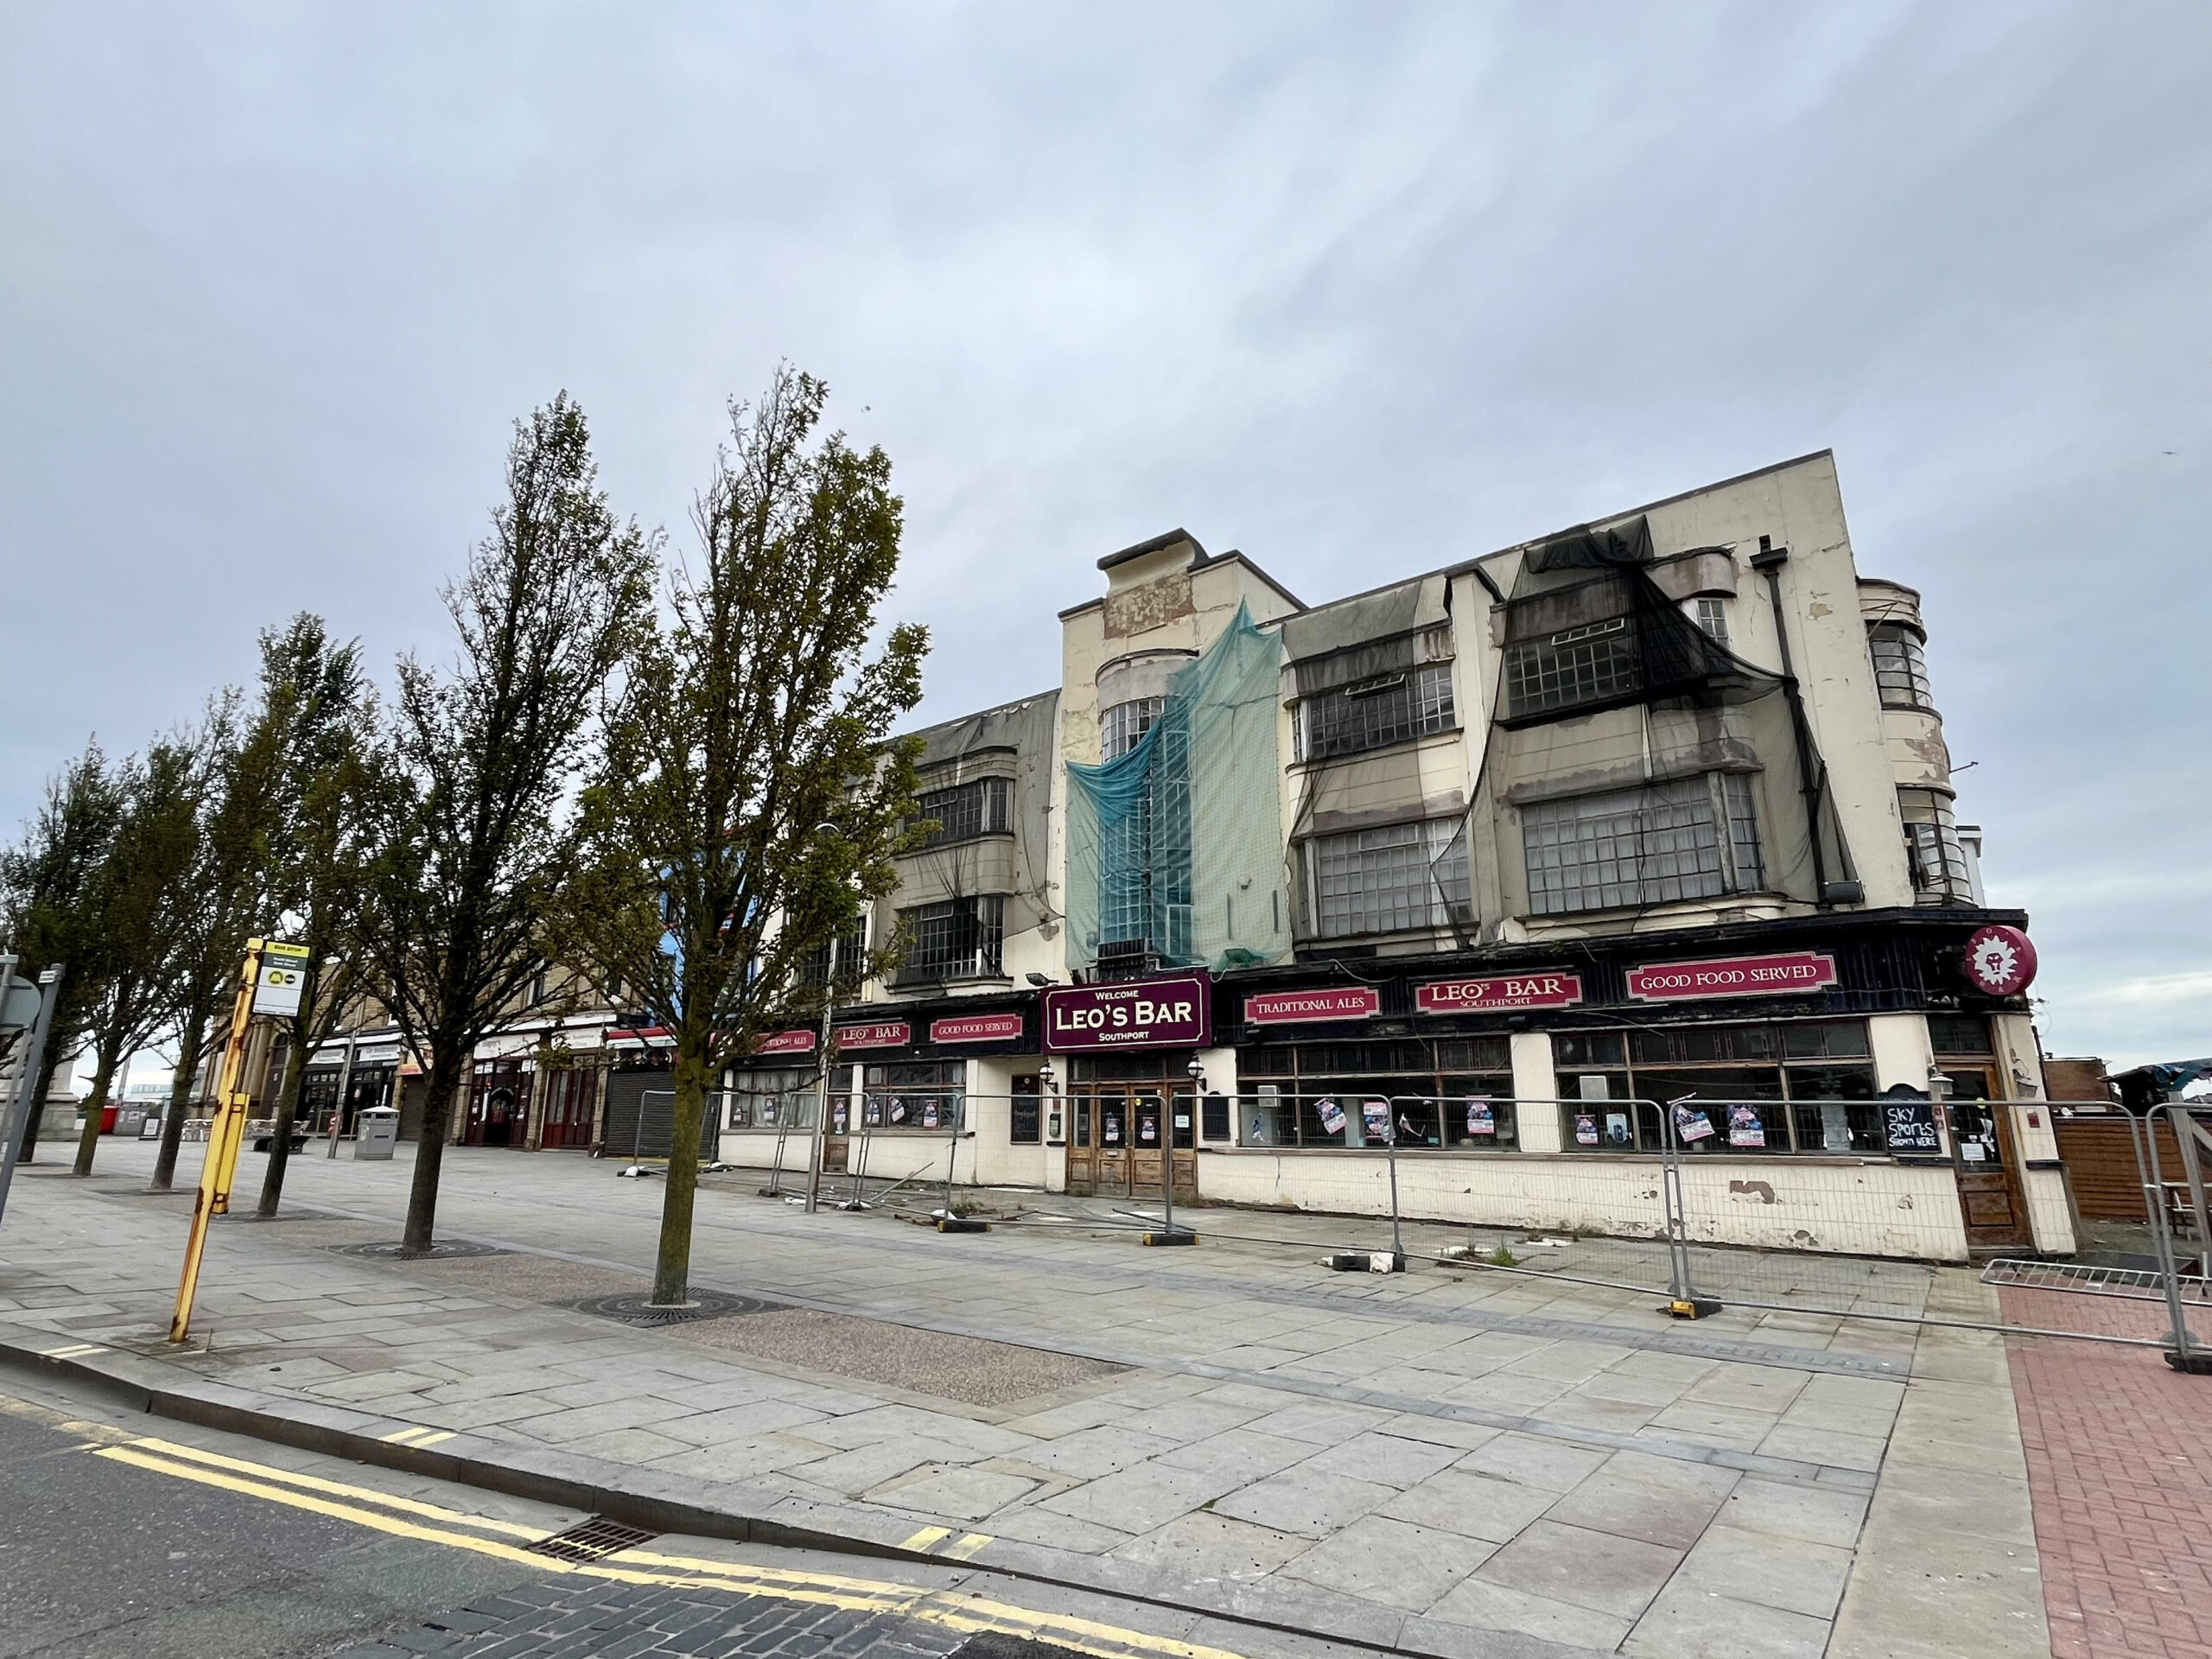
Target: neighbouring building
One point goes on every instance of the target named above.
(1497, 860)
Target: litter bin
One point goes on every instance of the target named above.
(129, 1120)
(376, 1131)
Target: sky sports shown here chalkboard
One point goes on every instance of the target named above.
(1909, 1121)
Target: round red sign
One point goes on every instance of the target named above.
(2000, 961)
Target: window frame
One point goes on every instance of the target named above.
(1123, 726)
(1287, 1082)
(1355, 718)
(990, 814)
(1732, 843)
(984, 959)
(1902, 680)
(1780, 1049)
(1435, 838)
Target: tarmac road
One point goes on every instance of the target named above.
(129, 1537)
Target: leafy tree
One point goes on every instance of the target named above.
(141, 902)
(474, 827)
(754, 716)
(50, 893)
(324, 716)
(231, 882)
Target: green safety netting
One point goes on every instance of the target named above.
(1174, 850)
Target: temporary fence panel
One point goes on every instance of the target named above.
(641, 1118)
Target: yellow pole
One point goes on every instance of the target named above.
(224, 1136)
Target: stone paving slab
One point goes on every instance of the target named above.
(1422, 1459)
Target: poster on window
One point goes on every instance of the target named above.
(1585, 1129)
(1109, 1126)
(1616, 1130)
(1376, 1115)
(836, 1118)
(1148, 1127)
(928, 1115)
(898, 1110)
(1691, 1125)
(1480, 1119)
(871, 1113)
(1745, 1129)
(1332, 1118)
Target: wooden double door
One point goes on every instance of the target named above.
(1985, 1158)
(1118, 1136)
(498, 1105)
(566, 1106)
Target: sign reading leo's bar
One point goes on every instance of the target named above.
(1173, 1011)
(976, 1028)
(1796, 971)
(1289, 1008)
(1505, 991)
(889, 1033)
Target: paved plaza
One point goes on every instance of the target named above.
(1443, 1462)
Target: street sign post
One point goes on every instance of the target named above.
(283, 973)
(227, 1132)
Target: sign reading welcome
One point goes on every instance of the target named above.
(1172, 1012)
(1796, 970)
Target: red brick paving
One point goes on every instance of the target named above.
(2119, 1468)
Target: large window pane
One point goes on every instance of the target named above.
(1900, 666)
(1371, 714)
(1385, 881)
(957, 939)
(966, 811)
(1650, 846)
(1594, 663)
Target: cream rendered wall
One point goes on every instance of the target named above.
(997, 1160)
(1797, 1204)
(1801, 507)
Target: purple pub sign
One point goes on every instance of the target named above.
(1175, 1011)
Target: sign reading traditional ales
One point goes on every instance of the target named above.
(1504, 991)
(1175, 1011)
(976, 1028)
(1796, 971)
(786, 1042)
(1290, 1008)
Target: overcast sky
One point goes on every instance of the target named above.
(1360, 290)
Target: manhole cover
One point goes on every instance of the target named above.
(636, 1308)
(445, 1250)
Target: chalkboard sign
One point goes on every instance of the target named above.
(1908, 1123)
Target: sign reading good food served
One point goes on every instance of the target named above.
(1796, 970)
(889, 1033)
(976, 1028)
(1173, 1011)
(1290, 1008)
(1504, 991)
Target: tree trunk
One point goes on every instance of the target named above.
(190, 1060)
(672, 1270)
(438, 1092)
(288, 1109)
(43, 1086)
(87, 1143)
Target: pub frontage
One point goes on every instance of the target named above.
(1840, 1084)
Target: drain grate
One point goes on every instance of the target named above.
(636, 1308)
(592, 1540)
(445, 1250)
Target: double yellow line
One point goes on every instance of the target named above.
(408, 1517)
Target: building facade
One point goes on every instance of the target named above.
(1524, 868)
